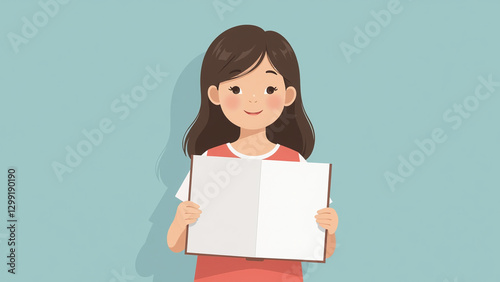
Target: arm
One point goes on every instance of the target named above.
(330, 245)
(187, 212)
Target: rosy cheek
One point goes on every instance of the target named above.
(275, 103)
(231, 102)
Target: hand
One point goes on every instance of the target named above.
(328, 219)
(187, 212)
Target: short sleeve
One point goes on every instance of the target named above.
(183, 192)
(304, 160)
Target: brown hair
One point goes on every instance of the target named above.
(238, 48)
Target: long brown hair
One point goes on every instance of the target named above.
(239, 48)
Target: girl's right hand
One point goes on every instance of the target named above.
(187, 213)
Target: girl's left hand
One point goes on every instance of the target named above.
(328, 219)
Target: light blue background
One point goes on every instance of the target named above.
(441, 224)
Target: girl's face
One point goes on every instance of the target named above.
(254, 100)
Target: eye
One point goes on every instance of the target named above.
(235, 89)
(271, 89)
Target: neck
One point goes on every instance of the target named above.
(253, 134)
(253, 142)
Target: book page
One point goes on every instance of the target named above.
(291, 193)
(227, 190)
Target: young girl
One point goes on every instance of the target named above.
(251, 107)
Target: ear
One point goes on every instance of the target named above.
(290, 95)
(213, 94)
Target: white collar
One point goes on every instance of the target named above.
(243, 156)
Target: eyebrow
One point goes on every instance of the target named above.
(270, 71)
(237, 71)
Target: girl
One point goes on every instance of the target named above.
(251, 107)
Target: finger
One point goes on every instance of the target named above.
(191, 216)
(325, 221)
(322, 221)
(326, 218)
(191, 221)
(325, 215)
(192, 210)
(191, 204)
(326, 210)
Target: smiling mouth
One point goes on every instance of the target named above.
(254, 113)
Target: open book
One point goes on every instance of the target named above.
(258, 208)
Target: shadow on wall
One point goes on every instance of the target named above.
(155, 258)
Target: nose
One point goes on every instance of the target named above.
(253, 99)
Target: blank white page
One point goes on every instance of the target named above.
(291, 193)
(227, 190)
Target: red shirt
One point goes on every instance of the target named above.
(220, 269)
